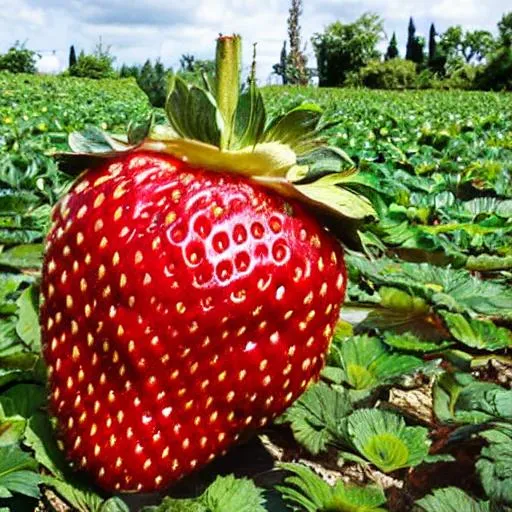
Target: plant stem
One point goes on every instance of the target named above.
(228, 63)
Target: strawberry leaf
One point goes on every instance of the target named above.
(27, 326)
(225, 494)
(459, 398)
(79, 497)
(410, 343)
(295, 127)
(315, 416)
(481, 334)
(94, 140)
(17, 473)
(495, 464)
(313, 494)
(451, 499)
(368, 363)
(384, 439)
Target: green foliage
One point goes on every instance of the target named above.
(315, 417)
(390, 74)
(451, 499)
(344, 48)
(392, 51)
(415, 45)
(310, 492)
(96, 65)
(383, 439)
(225, 494)
(154, 80)
(17, 473)
(496, 75)
(495, 464)
(460, 398)
(366, 362)
(18, 59)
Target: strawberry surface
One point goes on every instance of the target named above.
(181, 307)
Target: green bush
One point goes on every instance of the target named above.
(497, 74)
(154, 81)
(390, 74)
(462, 77)
(93, 66)
(18, 59)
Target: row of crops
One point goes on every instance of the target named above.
(415, 404)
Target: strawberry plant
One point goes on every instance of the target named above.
(412, 411)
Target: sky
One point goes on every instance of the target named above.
(166, 29)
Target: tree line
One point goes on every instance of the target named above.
(347, 54)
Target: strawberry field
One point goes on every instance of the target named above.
(414, 408)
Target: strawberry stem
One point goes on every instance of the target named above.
(228, 65)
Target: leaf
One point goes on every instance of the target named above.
(40, 437)
(325, 191)
(229, 493)
(27, 326)
(451, 499)
(23, 400)
(481, 334)
(193, 113)
(495, 464)
(137, 132)
(384, 439)
(408, 342)
(174, 505)
(77, 495)
(16, 201)
(93, 140)
(225, 494)
(326, 160)
(11, 429)
(17, 473)
(368, 363)
(459, 398)
(315, 416)
(250, 118)
(295, 128)
(114, 505)
(22, 257)
(304, 488)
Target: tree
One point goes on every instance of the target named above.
(466, 47)
(432, 44)
(505, 30)
(410, 40)
(97, 65)
(392, 51)
(436, 58)
(346, 47)
(18, 59)
(187, 62)
(72, 56)
(415, 45)
(296, 71)
(280, 68)
(154, 81)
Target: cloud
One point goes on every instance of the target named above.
(166, 29)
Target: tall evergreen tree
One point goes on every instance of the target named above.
(410, 40)
(298, 73)
(432, 44)
(392, 51)
(72, 56)
(280, 68)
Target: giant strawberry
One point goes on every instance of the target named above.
(190, 293)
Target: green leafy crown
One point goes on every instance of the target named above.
(224, 127)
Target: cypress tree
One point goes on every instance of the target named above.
(392, 52)
(72, 56)
(410, 40)
(432, 44)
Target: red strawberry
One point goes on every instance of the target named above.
(182, 306)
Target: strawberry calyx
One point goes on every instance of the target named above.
(222, 128)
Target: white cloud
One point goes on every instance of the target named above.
(166, 29)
